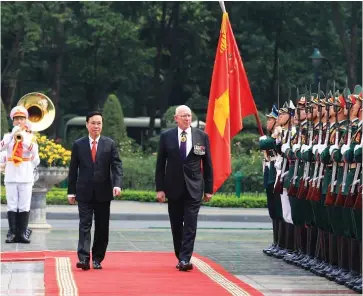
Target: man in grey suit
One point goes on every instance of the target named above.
(95, 177)
(184, 176)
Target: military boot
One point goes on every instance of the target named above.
(11, 236)
(23, 236)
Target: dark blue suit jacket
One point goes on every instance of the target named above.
(87, 178)
(172, 172)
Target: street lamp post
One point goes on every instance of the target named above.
(317, 60)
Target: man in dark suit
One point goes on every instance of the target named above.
(95, 176)
(184, 176)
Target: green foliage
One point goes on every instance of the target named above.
(250, 124)
(74, 134)
(58, 196)
(152, 145)
(251, 167)
(4, 120)
(139, 172)
(113, 120)
(129, 148)
(244, 143)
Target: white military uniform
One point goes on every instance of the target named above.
(19, 176)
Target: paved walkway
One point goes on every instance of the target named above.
(237, 250)
(130, 210)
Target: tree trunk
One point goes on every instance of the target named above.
(174, 57)
(154, 104)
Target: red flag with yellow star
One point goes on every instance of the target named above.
(230, 100)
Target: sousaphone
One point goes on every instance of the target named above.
(40, 108)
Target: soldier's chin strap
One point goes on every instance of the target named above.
(271, 130)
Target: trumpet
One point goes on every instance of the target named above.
(18, 136)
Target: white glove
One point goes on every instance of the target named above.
(15, 130)
(284, 147)
(295, 147)
(321, 148)
(304, 148)
(278, 163)
(344, 148)
(332, 148)
(263, 137)
(315, 148)
(357, 147)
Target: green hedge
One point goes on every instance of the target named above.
(58, 196)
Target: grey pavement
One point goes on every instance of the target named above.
(137, 211)
(238, 249)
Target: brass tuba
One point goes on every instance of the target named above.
(40, 108)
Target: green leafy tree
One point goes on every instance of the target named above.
(113, 120)
(4, 120)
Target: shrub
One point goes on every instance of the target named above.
(250, 124)
(74, 134)
(139, 172)
(113, 120)
(251, 167)
(244, 143)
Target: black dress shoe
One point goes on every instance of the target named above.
(177, 266)
(185, 266)
(83, 265)
(97, 265)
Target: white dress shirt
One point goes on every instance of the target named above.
(91, 142)
(189, 138)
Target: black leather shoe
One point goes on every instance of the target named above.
(97, 265)
(185, 266)
(177, 266)
(83, 265)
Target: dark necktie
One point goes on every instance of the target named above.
(183, 145)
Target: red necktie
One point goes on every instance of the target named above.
(94, 143)
(18, 152)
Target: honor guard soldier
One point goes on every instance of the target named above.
(331, 156)
(268, 145)
(311, 169)
(21, 159)
(352, 212)
(284, 134)
(294, 153)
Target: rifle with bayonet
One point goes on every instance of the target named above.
(330, 196)
(280, 180)
(304, 180)
(292, 191)
(340, 200)
(317, 191)
(354, 187)
(312, 182)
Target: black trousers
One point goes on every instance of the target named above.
(101, 212)
(183, 215)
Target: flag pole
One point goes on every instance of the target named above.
(221, 3)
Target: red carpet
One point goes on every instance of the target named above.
(133, 273)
